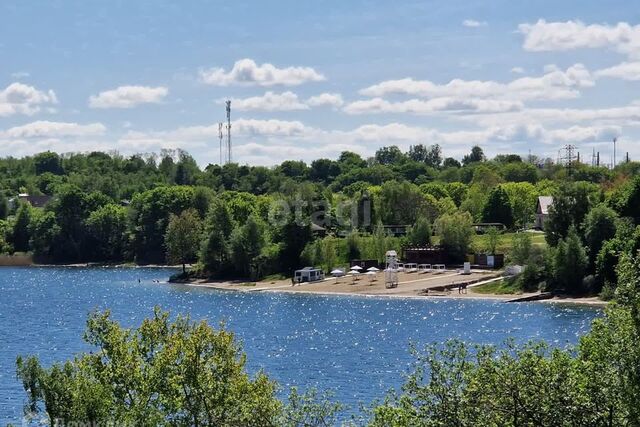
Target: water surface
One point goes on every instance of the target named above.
(357, 346)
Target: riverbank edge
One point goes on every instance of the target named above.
(225, 285)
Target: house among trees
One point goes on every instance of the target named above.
(35, 201)
(542, 211)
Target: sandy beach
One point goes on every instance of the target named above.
(410, 285)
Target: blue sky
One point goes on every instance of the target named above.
(311, 79)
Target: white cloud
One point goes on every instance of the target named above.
(625, 71)
(18, 98)
(517, 70)
(270, 101)
(326, 100)
(285, 101)
(128, 97)
(562, 36)
(246, 72)
(47, 129)
(418, 106)
(472, 23)
(554, 84)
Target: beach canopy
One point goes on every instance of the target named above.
(373, 269)
(356, 267)
(354, 272)
(370, 273)
(337, 272)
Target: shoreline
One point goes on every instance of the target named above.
(324, 288)
(414, 285)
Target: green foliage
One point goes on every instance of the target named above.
(626, 199)
(521, 248)
(571, 203)
(599, 226)
(162, 373)
(455, 233)
(20, 234)
(569, 264)
(493, 239)
(498, 208)
(107, 231)
(246, 244)
(4, 206)
(183, 237)
(420, 233)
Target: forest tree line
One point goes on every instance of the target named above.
(230, 221)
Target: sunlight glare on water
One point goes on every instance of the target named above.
(356, 346)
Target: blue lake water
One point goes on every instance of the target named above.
(356, 346)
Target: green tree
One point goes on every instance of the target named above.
(420, 233)
(107, 230)
(497, 208)
(4, 206)
(162, 373)
(570, 264)
(455, 231)
(571, 203)
(45, 233)
(247, 242)
(521, 248)
(599, 226)
(48, 162)
(626, 199)
(183, 237)
(476, 155)
(21, 233)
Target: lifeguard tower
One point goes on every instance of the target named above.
(391, 270)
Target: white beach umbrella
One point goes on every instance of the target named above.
(337, 273)
(355, 274)
(371, 274)
(356, 267)
(373, 269)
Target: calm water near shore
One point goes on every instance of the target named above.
(357, 346)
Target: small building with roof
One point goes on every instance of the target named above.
(308, 274)
(542, 211)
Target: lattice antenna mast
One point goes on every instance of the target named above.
(221, 137)
(229, 158)
(569, 157)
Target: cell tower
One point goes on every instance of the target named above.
(229, 158)
(225, 143)
(221, 137)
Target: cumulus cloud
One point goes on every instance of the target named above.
(472, 23)
(270, 101)
(285, 101)
(554, 84)
(128, 97)
(326, 100)
(517, 70)
(246, 72)
(47, 129)
(625, 71)
(419, 106)
(19, 98)
(562, 36)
